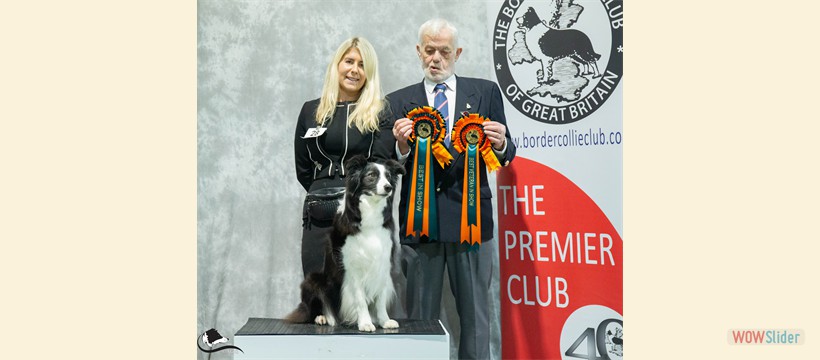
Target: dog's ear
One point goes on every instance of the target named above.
(395, 167)
(353, 170)
(352, 183)
(355, 164)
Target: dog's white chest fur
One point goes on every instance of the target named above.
(367, 249)
(367, 254)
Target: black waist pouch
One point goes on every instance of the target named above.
(321, 205)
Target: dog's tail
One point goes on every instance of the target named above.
(311, 300)
(299, 315)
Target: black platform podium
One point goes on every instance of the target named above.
(262, 338)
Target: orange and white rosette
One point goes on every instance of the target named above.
(469, 138)
(427, 136)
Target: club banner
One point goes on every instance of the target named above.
(559, 64)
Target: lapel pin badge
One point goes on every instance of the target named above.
(468, 106)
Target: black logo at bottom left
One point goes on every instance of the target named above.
(211, 338)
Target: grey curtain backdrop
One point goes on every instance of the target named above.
(258, 61)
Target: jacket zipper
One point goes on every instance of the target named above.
(329, 168)
(317, 166)
(347, 120)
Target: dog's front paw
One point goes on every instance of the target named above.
(368, 326)
(390, 324)
(325, 320)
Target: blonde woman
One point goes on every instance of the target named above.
(350, 118)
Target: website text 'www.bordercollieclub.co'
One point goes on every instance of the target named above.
(568, 138)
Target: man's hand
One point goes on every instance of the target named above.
(401, 131)
(496, 132)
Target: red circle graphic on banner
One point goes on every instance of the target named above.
(558, 253)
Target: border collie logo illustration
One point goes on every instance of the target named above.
(557, 61)
(211, 338)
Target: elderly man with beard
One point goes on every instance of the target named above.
(469, 270)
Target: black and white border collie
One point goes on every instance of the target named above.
(355, 285)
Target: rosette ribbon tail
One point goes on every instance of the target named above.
(441, 154)
(422, 219)
(471, 203)
(490, 160)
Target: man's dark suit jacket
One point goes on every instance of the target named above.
(484, 98)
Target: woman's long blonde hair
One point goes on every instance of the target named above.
(370, 104)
